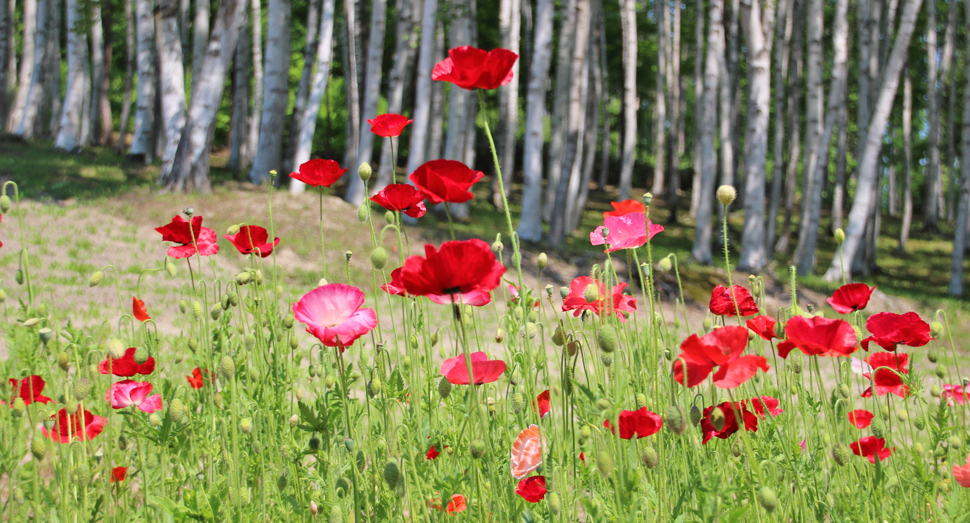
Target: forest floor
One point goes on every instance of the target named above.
(85, 211)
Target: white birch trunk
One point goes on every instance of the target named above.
(676, 111)
(371, 95)
(530, 222)
(28, 126)
(242, 74)
(864, 201)
(72, 110)
(780, 72)
(949, 76)
(559, 107)
(269, 153)
(793, 117)
(660, 102)
(306, 76)
(701, 251)
(256, 112)
(6, 29)
(695, 191)
(804, 257)
(630, 100)
(171, 80)
(143, 141)
(130, 57)
(959, 236)
(200, 37)
(841, 166)
(351, 81)
(26, 64)
(933, 183)
(49, 112)
(98, 74)
(907, 219)
(510, 17)
(437, 124)
(423, 90)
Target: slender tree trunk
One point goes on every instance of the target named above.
(630, 104)
(26, 62)
(269, 153)
(185, 23)
(758, 27)
(130, 59)
(303, 88)
(701, 251)
(34, 92)
(863, 201)
(794, 125)
(783, 26)
(351, 82)
(660, 102)
(256, 113)
(949, 75)
(460, 143)
(838, 190)
(695, 192)
(50, 103)
(676, 116)
(437, 127)
(423, 90)
(372, 91)
(324, 56)
(725, 110)
(242, 73)
(907, 221)
(593, 96)
(143, 141)
(567, 28)
(102, 101)
(959, 237)
(93, 99)
(171, 81)
(530, 223)
(510, 16)
(6, 29)
(69, 135)
(933, 185)
(191, 167)
(408, 16)
(862, 92)
(814, 128)
(200, 37)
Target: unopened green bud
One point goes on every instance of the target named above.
(389, 218)
(737, 448)
(542, 261)
(170, 268)
(116, 348)
(282, 482)
(38, 447)
(919, 423)
(477, 448)
(227, 368)
(878, 428)
(839, 236)
(374, 387)
(649, 457)
(844, 391)
(717, 419)
(695, 415)
(954, 442)
(82, 387)
(245, 425)
(555, 504)
(18, 407)
(933, 356)
(767, 499)
(19, 277)
(603, 404)
(5, 203)
(558, 337)
(592, 293)
(726, 195)
(936, 329)
(176, 409)
(63, 360)
(378, 257)
(444, 388)
(604, 463)
(197, 310)
(707, 324)
(362, 213)
(392, 474)
(336, 513)
(517, 401)
(664, 264)
(142, 355)
(364, 171)
(606, 338)
(676, 419)
(95, 279)
(935, 391)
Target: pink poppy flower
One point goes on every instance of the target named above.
(628, 231)
(484, 370)
(957, 393)
(473, 298)
(127, 392)
(333, 314)
(961, 473)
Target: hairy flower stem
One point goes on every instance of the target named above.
(727, 261)
(346, 400)
(25, 258)
(323, 245)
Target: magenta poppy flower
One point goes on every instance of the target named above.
(720, 348)
(851, 297)
(957, 393)
(178, 231)
(961, 473)
(484, 370)
(890, 329)
(637, 423)
(388, 125)
(471, 68)
(870, 447)
(628, 231)
(319, 173)
(860, 418)
(532, 488)
(763, 326)
(576, 300)
(886, 375)
(81, 425)
(125, 366)
(333, 314)
(723, 305)
(252, 239)
(127, 393)
(473, 298)
(29, 389)
(401, 197)
(445, 181)
(817, 336)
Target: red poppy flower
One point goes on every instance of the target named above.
(456, 505)
(720, 348)
(196, 379)
(887, 373)
(118, 474)
(484, 370)
(890, 329)
(625, 232)
(860, 418)
(125, 367)
(723, 305)
(138, 309)
(458, 267)
(319, 173)
(763, 326)
(388, 125)
(432, 453)
(640, 423)
(851, 297)
(817, 336)
(582, 457)
(543, 403)
(764, 404)
(179, 231)
(532, 488)
(526, 453)
(251, 239)
(870, 447)
(961, 473)
(445, 181)
(82, 425)
(472, 68)
(625, 207)
(752, 409)
(576, 300)
(401, 197)
(29, 389)
(957, 393)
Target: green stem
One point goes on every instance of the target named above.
(323, 247)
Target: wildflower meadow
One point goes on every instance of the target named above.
(444, 388)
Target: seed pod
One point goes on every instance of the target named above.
(840, 453)
(392, 474)
(878, 428)
(767, 499)
(444, 388)
(82, 387)
(197, 310)
(378, 257)
(93, 281)
(604, 463)
(695, 415)
(245, 425)
(606, 338)
(726, 195)
(141, 355)
(227, 368)
(649, 457)
(19, 407)
(716, 418)
(176, 409)
(38, 447)
(477, 448)
(517, 402)
(675, 419)
(5, 203)
(45, 335)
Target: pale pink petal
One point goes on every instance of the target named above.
(451, 363)
(151, 404)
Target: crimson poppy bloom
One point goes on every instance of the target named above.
(319, 173)
(861, 418)
(445, 181)
(526, 453)
(625, 232)
(817, 336)
(459, 267)
(576, 300)
(887, 373)
(456, 505)
(730, 422)
(851, 297)
(196, 379)
(957, 393)
(890, 329)
(81, 425)
(543, 403)
(720, 348)
(640, 423)
(126, 393)
(472, 68)
(432, 453)
(401, 197)
(29, 389)
(625, 207)
(138, 309)
(333, 314)
(388, 125)
(252, 239)
(118, 474)
(764, 404)
(870, 447)
(961, 473)
(178, 231)
(723, 305)
(484, 370)
(532, 488)
(582, 457)
(763, 326)
(126, 367)
(474, 298)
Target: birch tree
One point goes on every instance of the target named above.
(808, 228)
(28, 50)
(256, 112)
(72, 110)
(959, 236)
(510, 18)
(171, 80)
(676, 114)
(130, 63)
(701, 251)
(422, 92)
(269, 152)
(459, 33)
(933, 183)
(408, 16)
(793, 117)
(6, 29)
(28, 126)
(907, 220)
(660, 102)
(560, 101)
(143, 139)
(628, 18)
(306, 76)
(242, 73)
(351, 82)
(200, 37)
(695, 192)
(783, 28)
(99, 105)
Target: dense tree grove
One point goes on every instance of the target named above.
(822, 113)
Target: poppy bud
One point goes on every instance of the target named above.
(839, 236)
(392, 474)
(641, 400)
(726, 195)
(935, 391)
(664, 264)
(258, 277)
(389, 218)
(531, 330)
(444, 388)
(32, 322)
(18, 407)
(82, 387)
(941, 371)
(217, 400)
(592, 293)
(675, 419)
(364, 171)
(170, 268)
(604, 463)
(63, 360)
(716, 418)
(360, 460)
(603, 404)
(93, 281)
(767, 499)
(517, 401)
(707, 324)
(796, 364)
(477, 448)
(542, 260)
(176, 409)
(3, 296)
(737, 448)
(141, 355)
(584, 434)
(919, 423)
(4, 203)
(858, 332)
(374, 387)
(902, 415)
(607, 360)
(378, 257)
(362, 213)
(606, 338)
(558, 338)
(878, 428)
(281, 482)
(227, 368)
(844, 391)
(918, 448)
(122, 442)
(933, 356)
(695, 415)
(294, 343)
(38, 448)
(954, 442)
(18, 495)
(649, 457)
(193, 344)
(116, 348)
(197, 310)
(336, 514)
(572, 348)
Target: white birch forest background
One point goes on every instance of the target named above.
(822, 113)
